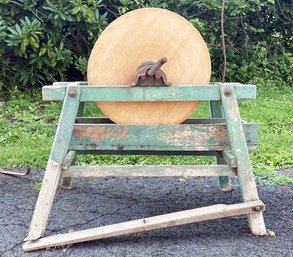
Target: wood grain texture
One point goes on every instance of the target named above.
(53, 170)
(146, 224)
(123, 93)
(183, 137)
(147, 35)
(65, 124)
(216, 112)
(229, 159)
(240, 151)
(45, 201)
(149, 171)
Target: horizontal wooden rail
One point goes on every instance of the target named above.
(102, 120)
(112, 93)
(182, 137)
(146, 224)
(149, 171)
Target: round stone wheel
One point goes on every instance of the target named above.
(147, 35)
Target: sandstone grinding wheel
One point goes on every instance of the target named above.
(147, 35)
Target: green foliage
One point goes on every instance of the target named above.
(38, 186)
(24, 35)
(46, 40)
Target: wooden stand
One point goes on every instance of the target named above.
(226, 138)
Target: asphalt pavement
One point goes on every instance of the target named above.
(101, 201)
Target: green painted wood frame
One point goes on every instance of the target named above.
(240, 151)
(56, 159)
(57, 92)
(172, 137)
(72, 94)
(67, 182)
(126, 93)
(216, 112)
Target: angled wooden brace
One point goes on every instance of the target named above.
(54, 166)
(240, 151)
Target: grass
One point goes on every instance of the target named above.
(27, 130)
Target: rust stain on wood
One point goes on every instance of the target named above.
(100, 133)
(189, 137)
(219, 134)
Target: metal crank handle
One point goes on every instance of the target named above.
(156, 66)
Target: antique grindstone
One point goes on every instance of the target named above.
(148, 72)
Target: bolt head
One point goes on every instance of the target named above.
(72, 92)
(227, 92)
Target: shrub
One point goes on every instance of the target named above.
(46, 40)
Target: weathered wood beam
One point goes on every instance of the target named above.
(149, 171)
(85, 83)
(229, 158)
(146, 224)
(181, 137)
(140, 152)
(240, 151)
(68, 159)
(102, 120)
(217, 112)
(112, 93)
(54, 166)
(45, 201)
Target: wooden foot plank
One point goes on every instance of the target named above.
(146, 224)
(149, 171)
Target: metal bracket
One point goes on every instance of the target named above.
(149, 74)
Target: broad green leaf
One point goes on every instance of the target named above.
(42, 51)
(18, 29)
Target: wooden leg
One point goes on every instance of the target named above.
(240, 151)
(45, 201)
(67, 183)
(54, 166)
(224, 181)
(216, 112)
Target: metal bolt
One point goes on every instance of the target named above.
(227, 92)
(257, 208)
(72, 92)
(120, 147)
(156, 66)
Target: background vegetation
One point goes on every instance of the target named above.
(46, 40)
(42, 41)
